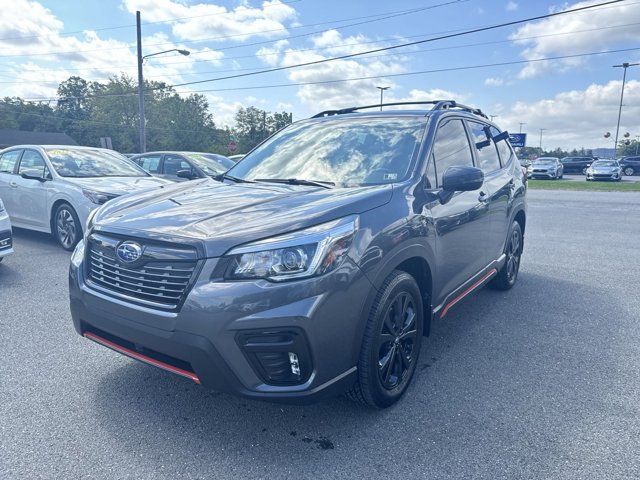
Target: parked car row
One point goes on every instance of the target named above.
(554, 168)
(181, 166)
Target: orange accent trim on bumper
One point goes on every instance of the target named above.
(142, 358)
(490, 273)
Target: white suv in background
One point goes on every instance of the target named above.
(54, 188)
(6, 241)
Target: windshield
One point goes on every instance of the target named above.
(81, 163)
(349, 152)
(605, 163)
(544, 161)
(210, 163)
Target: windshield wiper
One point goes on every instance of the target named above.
(224, 176)
(298, 181)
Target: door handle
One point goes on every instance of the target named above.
(13, 184)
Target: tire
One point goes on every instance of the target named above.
(65, 227)
(628, 171)
(383, 376)
(584, 171)
(508, 274)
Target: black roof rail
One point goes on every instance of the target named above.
(437, 105)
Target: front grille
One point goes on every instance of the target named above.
(158, 280)
(5, 240)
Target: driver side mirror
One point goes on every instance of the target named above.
(188, 174)
(33, 176)
(460, 179)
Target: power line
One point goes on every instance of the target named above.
(405, 74)
(412, 52)
(132, 25)
(392, 47)
(385, 17)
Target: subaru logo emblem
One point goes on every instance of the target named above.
(129, 252)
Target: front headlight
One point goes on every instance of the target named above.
(78, 254)
(96, 197)
(305, 253)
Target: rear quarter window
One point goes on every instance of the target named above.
(8, 161)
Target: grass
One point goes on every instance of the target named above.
(584, 185)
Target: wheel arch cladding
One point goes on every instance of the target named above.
(521, 218)
(420, 270)
(54, 208)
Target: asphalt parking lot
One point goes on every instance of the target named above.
(538, 382)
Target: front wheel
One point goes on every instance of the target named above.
(391, 343)
(628, 171)
(508, 274)
(584, 171)
(66, 227)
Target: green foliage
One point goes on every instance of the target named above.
(628, 150)
(88, 111)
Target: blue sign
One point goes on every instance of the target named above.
(518, 139)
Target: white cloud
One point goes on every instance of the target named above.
(511, 6)
(585, 41)
(207, 20)
(578, 118)
(494, 82)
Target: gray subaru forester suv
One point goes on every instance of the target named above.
(315, 265)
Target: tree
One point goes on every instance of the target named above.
(254, 125)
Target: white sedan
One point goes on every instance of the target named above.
(6, 241)
(54, 188)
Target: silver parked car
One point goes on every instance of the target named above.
(546, 167)
(604, 170)
(54, 188)
(181, 166)
(6, 240)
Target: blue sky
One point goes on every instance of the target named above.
(43, 42)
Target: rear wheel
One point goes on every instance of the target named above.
(628, 171)
(508, 274)
(391, 343)
(66, 227)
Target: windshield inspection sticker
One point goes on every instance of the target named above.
(390, 176)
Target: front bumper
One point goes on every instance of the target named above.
(202, 340)
(546, 175)
(604, 176)
(6, 236)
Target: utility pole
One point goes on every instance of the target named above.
(491, 117)
(143, 138)
(382, 89)
(637, 143)
(624, 66)
(521, 124)
(541, 130)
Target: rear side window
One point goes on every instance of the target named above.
(33, 164)
(173, 164)
(504, 149)
(150, 163)
(8, 161)
(486, 150)
(450, 148)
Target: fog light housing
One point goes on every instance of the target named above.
(278, 356)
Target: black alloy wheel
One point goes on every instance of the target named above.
(508, 274)
(391, 342)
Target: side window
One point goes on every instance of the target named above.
(450, 148)
(486, 150)
(173, 164)
(8, 161)
(33, 164)
(504, 149)
(150, 163)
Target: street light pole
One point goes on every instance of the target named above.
(541, 130)
(382, 89)
(624, 66)
(491, 117)
(521, 124)
(637, 143)
(143, 136)
(143, 141)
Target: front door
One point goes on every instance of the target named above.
(8, 163)
(463, 223)
(31, 194)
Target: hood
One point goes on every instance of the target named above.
(222, 216)
(118, 185)
(604, 169)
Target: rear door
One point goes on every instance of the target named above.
(30, 194)
(8, 165)
(463, 224)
